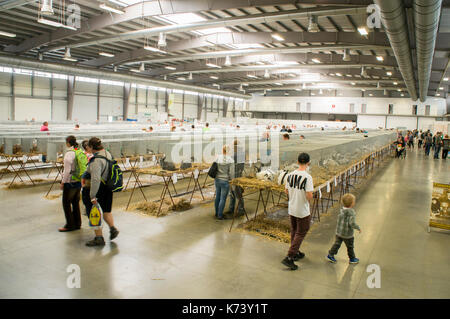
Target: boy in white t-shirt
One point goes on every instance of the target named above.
(299, 189)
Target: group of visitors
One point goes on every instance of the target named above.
(86, 172)
(426, 141)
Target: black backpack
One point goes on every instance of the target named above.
(115, 176)
(213, 170)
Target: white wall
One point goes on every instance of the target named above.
(402, 106)
(27, 108)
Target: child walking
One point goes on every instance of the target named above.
(344, 232)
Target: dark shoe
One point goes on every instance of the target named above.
(66, 229)
(97, 241)
(113, 233)
(220, 218)
(288, 262)
(299, 256)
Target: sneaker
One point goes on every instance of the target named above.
(331, 259)
(299, 255)
(354, 260)
(288, 262)
(113, 233)
(97, 241)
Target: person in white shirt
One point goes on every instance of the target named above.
(299, 189)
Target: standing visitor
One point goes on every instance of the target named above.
(206, 128)
(86, 179)
(445, 147)
(75, 162)
(44, 128)
(225, 173)
(438, 143)
(237, 191)
(299, 189)
(421, 138)
(428, 143)
(98, 169)
(344, 232)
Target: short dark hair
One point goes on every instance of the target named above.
(303, 158)
(286, 136)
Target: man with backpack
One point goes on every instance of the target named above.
(106, 178)
(75, 163)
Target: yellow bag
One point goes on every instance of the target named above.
(95, 216)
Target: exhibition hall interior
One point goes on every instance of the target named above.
(240, 149)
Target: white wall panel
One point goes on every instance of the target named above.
(26, 109)
(85, 108)
(396, 121)
(5, 103)
(371, 121)
(59, 110)
(111, 106)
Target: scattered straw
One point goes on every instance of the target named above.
(53, 196)
(149, 208)
(273, 229)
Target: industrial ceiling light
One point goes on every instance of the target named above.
(68, 56)
(338, 74)
(399, 90)
(385, 92)
(320, 91)
(227, 60)
(378, 85)
(170, 68)
(304, 86)
(214, 77)
(135, 70)
(441, 88)
(315, 60)
(445, 79)
(181, 78)
(298, 89)
(47, 7)
(277, 37)
(364, 90)
(389, 73)
(252, 76)
(50, 22)
(8, 34)
(266, 74)
(312, 26)
(380, 58)
(278, 83)
(353, 83)
(395, 83)
(286, 93)
(347, 56)
(162, 40)
(106, 7)
(106, 54)
(363, 31)
(153, 49)
(212, 65)
(142, 67)
(370, 94)
(40, 56)
(438, 94)
(402, 94)
(190, 76)
(363, 72)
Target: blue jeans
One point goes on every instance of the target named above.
(427, 149)
(235, 195)
(437, 150)
(222, 190)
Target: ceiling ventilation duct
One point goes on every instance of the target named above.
(394, 20)
(426, 20)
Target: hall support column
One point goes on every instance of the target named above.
(126, 100)
(70, 96)
(200, 101)
(225, 107)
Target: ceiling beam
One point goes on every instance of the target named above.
(258, 51)
(215, 23)
(279, 57)
(11, 4)
(374, 38)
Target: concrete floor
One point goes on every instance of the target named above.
(190, 255)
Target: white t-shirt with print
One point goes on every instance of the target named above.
(297, 184)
